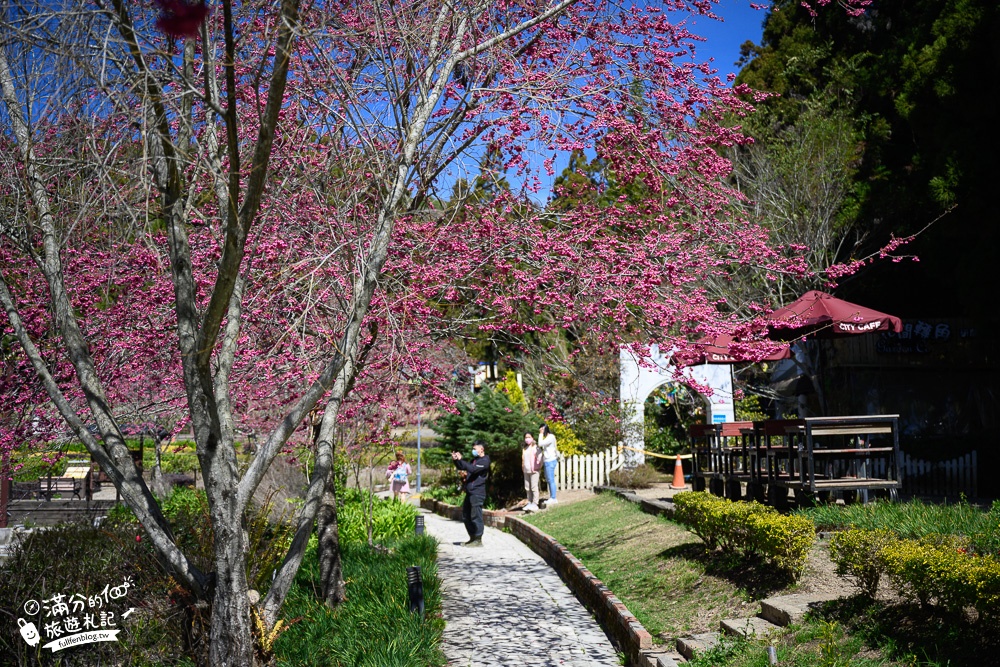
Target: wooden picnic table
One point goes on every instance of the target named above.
(721, 457)
(837, 454)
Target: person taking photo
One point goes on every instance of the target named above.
(477, 472)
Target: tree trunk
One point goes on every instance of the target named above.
(333, 588)
(231, 636)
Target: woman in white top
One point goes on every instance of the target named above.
(550, 454)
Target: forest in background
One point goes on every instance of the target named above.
(894, 108)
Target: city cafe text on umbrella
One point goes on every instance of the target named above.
(823, 315)
(817, 314)
(724, 349)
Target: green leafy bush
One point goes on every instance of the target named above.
(436, 457)
(750, 527)
(445, 494)
(783, 540)
(390, 520)
(935, 572)
(501, 425)
(857, 555)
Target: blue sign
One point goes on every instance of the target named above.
(718, 419)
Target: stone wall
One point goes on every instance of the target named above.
(491, 518)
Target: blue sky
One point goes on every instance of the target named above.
(724, 37)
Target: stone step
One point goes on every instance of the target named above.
(701, 642)
(664, 658)
(788, 609)
(753, 626)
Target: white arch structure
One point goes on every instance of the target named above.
(640, 377)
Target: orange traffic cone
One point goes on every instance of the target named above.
(678, 482)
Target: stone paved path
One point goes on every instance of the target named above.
(504, 607)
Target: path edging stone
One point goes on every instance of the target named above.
(656, 507)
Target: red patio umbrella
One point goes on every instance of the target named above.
(825, 316)
(723, 349)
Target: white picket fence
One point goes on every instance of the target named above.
(937, 478)
(585, 471)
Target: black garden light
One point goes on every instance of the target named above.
(415, 587)
(418, 527)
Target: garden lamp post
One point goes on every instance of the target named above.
(420, 410)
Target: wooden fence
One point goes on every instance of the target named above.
(585, 471)
(949, 478)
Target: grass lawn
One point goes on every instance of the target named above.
(662, 573)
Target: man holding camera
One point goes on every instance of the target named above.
(477, 472)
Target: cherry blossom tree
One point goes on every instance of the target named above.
(239, 211)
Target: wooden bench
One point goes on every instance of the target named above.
(721, 459)
(49, 486)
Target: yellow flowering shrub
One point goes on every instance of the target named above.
(938, 569)
(857, 555)
(749, 527)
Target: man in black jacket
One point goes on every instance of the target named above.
(477, 472)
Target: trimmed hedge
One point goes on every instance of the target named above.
(938, 569)
(752, 528)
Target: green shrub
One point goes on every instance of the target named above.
(445, 494)
(751, 528)
(501, 425)
(857, 555)
(953, 579)
(436, 457)
(639, 477)
(783, 540)
(390, 520)
(938, 569)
